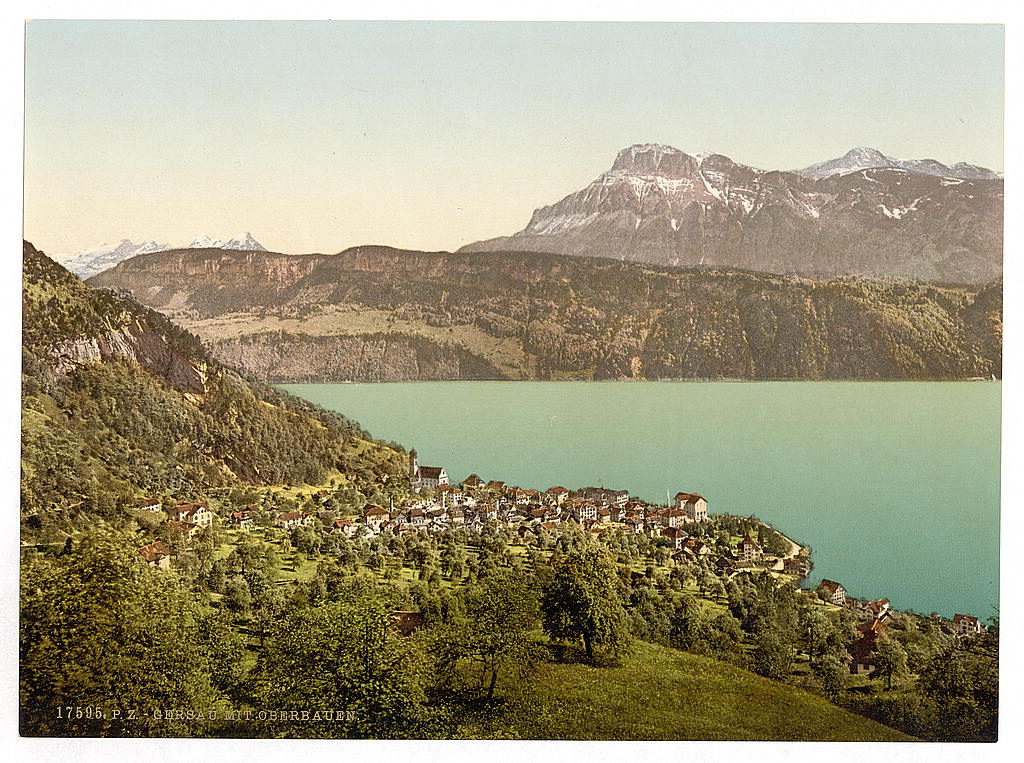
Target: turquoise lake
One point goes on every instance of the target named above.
(895, 486)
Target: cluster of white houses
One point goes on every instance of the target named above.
(185, 519)
(437, 505)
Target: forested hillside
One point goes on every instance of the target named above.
(119, 403)
(518, 315)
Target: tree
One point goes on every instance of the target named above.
(101, 629)
(821, 634)
(688, 629)
(237, 596)
(890, 660)
(500, 611)
(581, 602)
(772, 655)
(831, 674)
(345, 655)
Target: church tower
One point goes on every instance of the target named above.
(414, 465)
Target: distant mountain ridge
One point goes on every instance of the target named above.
(91, 261)
(864, 158)
(374, 313)
(662, 206)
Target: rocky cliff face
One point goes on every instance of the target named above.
(67, 324)
(135, 343)
(283, 358)
(659, 205)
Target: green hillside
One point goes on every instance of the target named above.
(119, 403)
(661, 693)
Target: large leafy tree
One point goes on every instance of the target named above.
(344, 656)
(772, 656)
(890, 661)
(500, 611)
(103, 632)
(581, 602)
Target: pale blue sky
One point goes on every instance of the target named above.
(322, 135)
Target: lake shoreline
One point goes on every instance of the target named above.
(860, 472)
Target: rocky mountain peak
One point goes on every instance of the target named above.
(654, 159)
(867, 156)
(860, 214)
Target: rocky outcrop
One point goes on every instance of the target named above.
(135, 343)
(283, 358)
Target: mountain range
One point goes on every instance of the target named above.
(375, 313)
(863, 158)
(89, 262)
(861, 214)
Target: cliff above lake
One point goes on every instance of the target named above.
(526, 315)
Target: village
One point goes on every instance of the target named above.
(436, 505)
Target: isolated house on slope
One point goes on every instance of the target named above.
(748, 549)
(965, 625)
(156, 554)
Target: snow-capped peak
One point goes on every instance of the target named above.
(203, 242)
(864, 154)
(863, 158)
(244, 242)
(89, 262)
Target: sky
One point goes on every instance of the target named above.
(317, 136)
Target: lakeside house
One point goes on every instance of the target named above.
(694, 506)
(197, 513)
(345, 527)
(796, 565)
(863, 649)
(966, 626)
(603, 496)
(677, 535)
(556, 494)
(289, 519)
(869, 610)
(748, 549)
(832, 592)
(376, 515)
(185, 530)
(696, 547)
